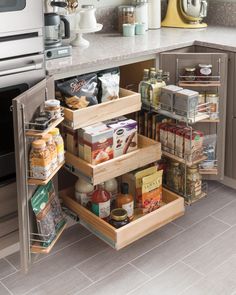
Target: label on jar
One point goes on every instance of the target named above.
(83, 198)
(205, 71)
(102, 209)
(129, 208)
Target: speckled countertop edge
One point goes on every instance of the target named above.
(106, 49)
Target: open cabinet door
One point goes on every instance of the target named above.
(175, 63)
(24, 107)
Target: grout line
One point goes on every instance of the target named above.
(218, 219)
(9, 275)
(194, 269)
(181, 227)
(63, 248)
(191, 285)
(216, 188)
(233, 201)
(87, 259)
(139, 270)
(6, 288)
(84, 274)
(9, 262)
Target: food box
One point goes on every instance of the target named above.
(168, 96)
(186, 102)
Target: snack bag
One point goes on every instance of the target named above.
(109, 84)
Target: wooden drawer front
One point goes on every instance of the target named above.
(119, 238)
(128, 102)
(148, 152)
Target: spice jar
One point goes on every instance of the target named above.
(194, 182)
(53, 150)
(213, 100)
(101, 202)
(59, 144)
(126, 16)
(119, 218)
(174, 176)
(190, 74)
(125, 200)
(39, 160)
(204, 71)
(52, 107)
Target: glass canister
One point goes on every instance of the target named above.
(194, 182)
(213, 100)
(174, 176)
(190, 74)
(126, 15)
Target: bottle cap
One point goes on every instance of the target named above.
(124, 188)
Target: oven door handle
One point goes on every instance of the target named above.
(31, 67)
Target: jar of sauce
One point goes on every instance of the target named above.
(190, 74)
(125, 200)
(119, 218)
(204, 71)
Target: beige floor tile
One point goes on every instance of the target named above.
(227, 214)
(3, 290)
(5, 269)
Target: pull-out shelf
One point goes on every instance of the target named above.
(173, 207)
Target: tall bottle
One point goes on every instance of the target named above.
(158, 85)
(101, 202)
(144, 86)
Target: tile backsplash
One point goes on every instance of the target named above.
(220, 12)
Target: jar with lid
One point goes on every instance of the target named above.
(204, 71)
(141, 12)
(83, 192)
(213, 100)
(190, 74)
(119, 218)
(126, 15)
(202, 101)
(52, 107)
(111, 186)
(174, 176)
(59, 144)
(194, 182)
(53, 150)
(125, 200)
(39, 160)
(101, 202)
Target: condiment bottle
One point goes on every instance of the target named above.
(39, 160)
(119, 218)
(111, 186)
(83, 192)
(101, 202)
(125, 200)
(59, 144)
(53, 150)
(144, 87)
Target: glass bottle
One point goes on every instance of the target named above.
(174, 176)
(101, 202)
(125, 200)
(144, 86)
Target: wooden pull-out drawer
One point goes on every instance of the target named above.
(128, 102)
(172, 208)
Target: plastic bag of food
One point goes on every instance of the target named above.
(44, 215)
(209, 150)
(110, 84)
(78, 92)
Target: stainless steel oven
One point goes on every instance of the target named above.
(20, 16)
(16, 76)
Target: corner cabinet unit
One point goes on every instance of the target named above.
(148, 152)
(175, 63)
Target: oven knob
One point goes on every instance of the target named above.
(49, 54)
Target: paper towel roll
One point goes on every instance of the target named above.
(154, 14)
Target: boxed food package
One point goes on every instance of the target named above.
(179, 141)
(98, 144)
(164, 135)
(71, 141)
(125, 137)
(167, 96)
(193, 144)
(186, 102)
(151, 192)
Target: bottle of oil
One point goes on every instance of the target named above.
(144, 86)
(159, 83)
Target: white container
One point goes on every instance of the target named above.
(87, 19)
(83, 192)
(154, 14)
(141, 12)
(111, 186)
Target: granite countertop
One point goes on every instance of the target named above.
(108, 50)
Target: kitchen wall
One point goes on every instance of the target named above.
(102, 3)
(222, 12)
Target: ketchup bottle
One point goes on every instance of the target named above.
(101, 202)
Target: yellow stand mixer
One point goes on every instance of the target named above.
(185, 14)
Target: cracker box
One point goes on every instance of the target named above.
(98, 144)
(125, 137)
